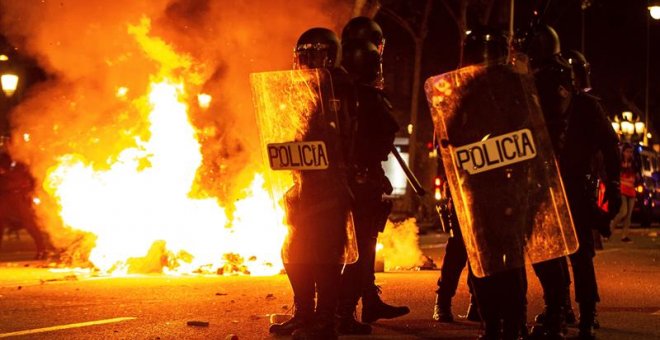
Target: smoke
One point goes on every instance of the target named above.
(400, 245)
(92, 49)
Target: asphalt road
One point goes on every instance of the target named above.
(41, 304)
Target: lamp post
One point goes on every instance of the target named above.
(627, 127)
(9, 89)
(8, 79)
(9, 82)
(654, 9)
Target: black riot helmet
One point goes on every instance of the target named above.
(317, 48)
(363, 28)
(581, 69)
(484, 45)
(362, 61)
(554, 82)
(541, 45)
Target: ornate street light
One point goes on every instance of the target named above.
(8, 79)
(627, 127)
(654, 9)
(9, 83)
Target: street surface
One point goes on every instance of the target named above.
(37, 303)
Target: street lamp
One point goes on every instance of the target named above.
(654, 9)
(9, 83)
(628, 127)
(8, 80)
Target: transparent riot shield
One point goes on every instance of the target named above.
(304, 164)
(500, 165)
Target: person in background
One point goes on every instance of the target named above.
(629, 178)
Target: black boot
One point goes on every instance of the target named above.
(473, 313)
(346, 322)
(442, 309)
(596, 323)
(492, 330)
(552, 325)
(587, 323)
(373, 308)
(302, 317)
(569, 316)
(512, 329)
(321, 328)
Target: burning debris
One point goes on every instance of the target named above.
(196, 323)
(142, 140)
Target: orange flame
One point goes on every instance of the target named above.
(131, 205)
(140, 208)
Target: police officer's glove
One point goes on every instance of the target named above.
(613, 198)
(386, 185)
(601, 222)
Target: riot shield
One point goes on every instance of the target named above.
(305, 169)
(501, 168)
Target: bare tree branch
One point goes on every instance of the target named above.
(451, 11)
(399, 21)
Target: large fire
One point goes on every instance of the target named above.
(141, 210)
(144, 198)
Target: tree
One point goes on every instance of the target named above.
(417, 28)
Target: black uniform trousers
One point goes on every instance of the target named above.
(553, 276)
(554, 273)
(361, 275)
(453, 263)
(501, 296)
(584, 274)
(309, 279)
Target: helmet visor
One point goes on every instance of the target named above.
(308, 56)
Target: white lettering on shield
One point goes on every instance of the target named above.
(496, 152)
(298, 156)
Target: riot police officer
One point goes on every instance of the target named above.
(579, 129)
(371, 144)
(317, 208)
(582, 83)
(482, 44)
(501, 296)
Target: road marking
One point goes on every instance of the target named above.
(433, 246)
(656, 313)
(61, 327)
(608, 250)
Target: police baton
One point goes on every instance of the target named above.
(409, 175)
